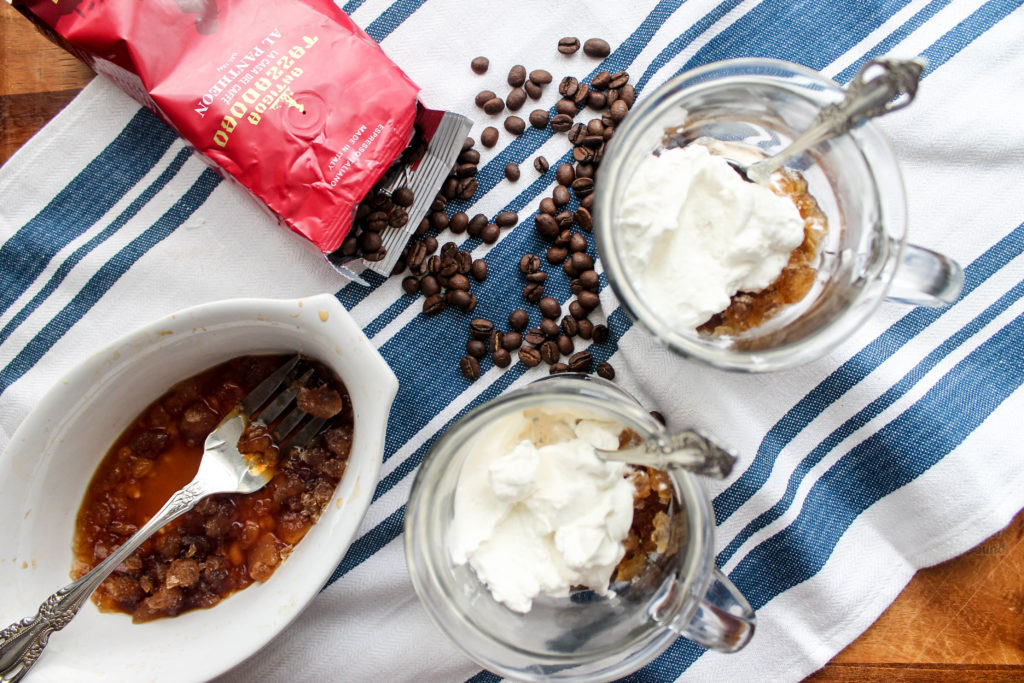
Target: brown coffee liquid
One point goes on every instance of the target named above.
(750, 309)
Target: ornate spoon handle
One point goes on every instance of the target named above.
(881, 86)
(687, 450)
(22, 642)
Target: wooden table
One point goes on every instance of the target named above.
(962, 620)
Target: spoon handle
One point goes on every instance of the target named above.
(22, 642)
(686, 450)
(881, 86)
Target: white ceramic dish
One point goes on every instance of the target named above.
(52, 456)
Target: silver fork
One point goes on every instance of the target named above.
(222, 470)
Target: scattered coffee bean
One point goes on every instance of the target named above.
(403, 196)
(549, 352)
(470, 367)
(597, 48)
(584, 170)
(468, 143)
(479, 270)
(549, 328)
(569, 270)
(577, 133)
(628, 95)
(555, 255)
(490, 233)
(369, 241)
(565, 174)
(605, 370)
(583, 186)
(575, 286)
(659, 417)
(570, 326)
(411, 285)
(560, 123)
(439, 219)
(588, 300)
(502, 358)
(512, 341)
(563, 239)
(566, 108)
(515, 125)
(587, 202)
(618, 80)
(597, 100)
(547, 226)
(533, 292)
(467, 188)
(584, 219)
(581, 361)
(582, 93)
(541, 164)
(539, 118)
(582, 261)
(529, 263)
(515, 99)
(561, 195)
(540, 276)
(600, 81)
(494, 341)
(540, 76)
(547, 205)
(568, 45)
(465, 261)
(458, 281)
(558, 368)
(430, 244)
(433, 304)
(590, 280)
(565, 345)
(489, 136)
(618, 110)
(476, 348)
(529, 356)
(483, 97)
(479, 65)
(577, 242)
(517, 75)
(586, 328)
(595, 127)
(600, 334)
(506, 219)
(577, 311)
(476, 225)
(493, 106)
(563, 219)
(480, 328)
(568, 87)
(470, 156)
(518, 319)
(549, 307)
(534, 336)
(533, 90)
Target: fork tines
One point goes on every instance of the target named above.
(272, 402)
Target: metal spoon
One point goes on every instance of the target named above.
(881, 86)
(683, 450)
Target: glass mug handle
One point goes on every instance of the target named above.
(926, 278)
(724, 620)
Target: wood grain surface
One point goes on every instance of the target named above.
(962, 620)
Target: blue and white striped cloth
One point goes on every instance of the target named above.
(897, 451)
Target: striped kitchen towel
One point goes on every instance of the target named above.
(895, 452)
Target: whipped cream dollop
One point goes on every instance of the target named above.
(536, 511)
(694, 233)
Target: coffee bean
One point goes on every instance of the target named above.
(417, 258)
(493, 106)
(546, 225)
(588, 202)
(494, 341)
(448, 191)
(376, 221)
(565, 174)
(449, 250)
(549, 307)
(600, 81)
(502, 358)
(515, 125)
(582, 261)
(430, 243)
(558, 368)
(483, 97)
(549, 328)
(659, 417)
(410, 285)
(577, 311)
(489, 136)
(518, 320)
(586, 328)
(583, 186)
(589, 300)
(529, 263)
(577, 242)
(465, 171)
(369, 241)
(539, 276)
(512, 341)
(468, 143)
(506, 219)
(584, 219)
(600, 334)
(467, 188)
(439, 220)
(575, 286)
(541, 164)
(533, 90)
(479, 270)
(561, 123)
(476, 225)
(597, 48)
(595, 127)
(590, 280)
(618, 110)
(606, 118)
(446, 267)
(403, 196)
(490, 233)
(568, 45)
(577, 133)
(480, 328)
(566, 108)
(515, 99)
(561, 195)
(584, 154)
(584, 170)
(512, 171)
(563, 219)
(608, 133)
(534, 336)
(465, 261)
(529, 356)
(556, 255)
(470, 367)
(539, 118)
(570, 326)
(517, 75)
(563, 239)
(350, 246)
(470, 305)
(476, 348)
(605, 370)
(533, 292)
(591, 141)
(568, 86)
(547, 205)
(581, 361)
(582, 93)
(618, 80)
(549, 352)
(479, 65)
(565, 345)
(470, 156)
(458, 281)
(597, 100)
(433, 304)
(429, 286)
(628, 95)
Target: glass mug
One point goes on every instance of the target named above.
(757, 107)
(585, 637)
